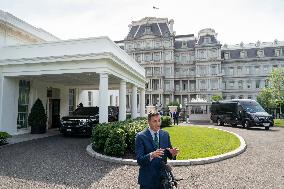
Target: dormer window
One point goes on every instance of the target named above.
(148, 30)
(184, 44)
(226, 55)
(277, 52)
(260, 53)
(207, 40)
(243, 54)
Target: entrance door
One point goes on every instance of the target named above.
(55, 113)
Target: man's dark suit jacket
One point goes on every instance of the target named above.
(150, 171)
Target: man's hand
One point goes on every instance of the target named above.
(157, 154)
(173, 151)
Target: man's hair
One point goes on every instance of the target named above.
(150, 115)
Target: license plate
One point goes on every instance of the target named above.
(68, 130)
(266, 124)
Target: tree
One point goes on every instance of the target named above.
(276, 80)
(37, 118)
(264, 98)
(216, 97)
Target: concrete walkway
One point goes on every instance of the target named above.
(28, 136)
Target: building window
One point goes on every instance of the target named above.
(156, 56)
(148, 57)
(157, 44)
(207, 40)
(184, 44)
(213, 53)
(167, 44)
(265, 68)
(157, 71)
(249, 84)
(148, 71)
(203, 85)
(155, 84)
(167, 71)
(90, 98)
(224, 85)
(202, 54)
(202, 70)
(231, 71)
(148, 30)
(167, 85)
(249, 97)
(23, 104)
(260, 53)
(277, 52)
(214, 70)
(257, 69)
(243, 54)
(168, 56)
(72, 97)
(257, 84)
(183, 58)
(226, 55)
(240, 84)
(148, 44)
(232, 83)
(138, 57)
(239, 70)
(241, 96)
(214, 84)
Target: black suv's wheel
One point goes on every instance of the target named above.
(266, 128)
(246, 124)
(219, 122)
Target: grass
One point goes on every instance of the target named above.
(279, 122)
(199, 142)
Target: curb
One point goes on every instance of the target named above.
(199, 161)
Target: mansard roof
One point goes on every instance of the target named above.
(189, 44)
(213, 40)
(157, 27)
(252, 52)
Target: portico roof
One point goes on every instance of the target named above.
(90, 55)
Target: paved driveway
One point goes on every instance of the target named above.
(62, 162)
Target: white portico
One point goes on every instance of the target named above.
(93, 63)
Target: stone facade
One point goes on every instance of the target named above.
(184, 67)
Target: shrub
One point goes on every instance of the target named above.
(37, 118)
(103, 137)
(3, 138)
(166, 121)
(100, 135)
(115, 145)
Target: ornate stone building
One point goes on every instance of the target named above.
(184, 67)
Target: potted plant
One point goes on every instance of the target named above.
(37, 118)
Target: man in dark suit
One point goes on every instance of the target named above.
(175, 117)
(152, 146)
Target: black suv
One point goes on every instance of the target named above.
(83, 119)
(245, 112)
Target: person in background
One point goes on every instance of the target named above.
(175, 117)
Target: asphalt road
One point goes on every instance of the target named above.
(62, 162)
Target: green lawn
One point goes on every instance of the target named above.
(198, 142)
(279, 122)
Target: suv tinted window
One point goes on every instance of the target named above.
(86, 111)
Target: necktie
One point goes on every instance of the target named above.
(156, 141)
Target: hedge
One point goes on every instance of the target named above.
(117, 138)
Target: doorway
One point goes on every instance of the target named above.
(55, 116)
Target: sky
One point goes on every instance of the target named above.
(235, 21)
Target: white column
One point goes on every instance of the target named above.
(103, 97)
(9, 94)
(122, 101)
(64, 101)
(142, 102)
(134, 102)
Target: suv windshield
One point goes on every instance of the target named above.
(252, 107)
(86, 111)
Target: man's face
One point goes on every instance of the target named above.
(155, 123)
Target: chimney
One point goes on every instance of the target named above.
(171, 23)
